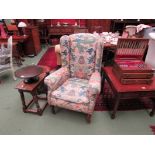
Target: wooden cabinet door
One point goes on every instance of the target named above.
(32, 45)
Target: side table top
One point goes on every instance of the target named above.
(126, 88)
(28, 71)
(30, 87)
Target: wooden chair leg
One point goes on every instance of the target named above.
(88, 118)
(53, 109)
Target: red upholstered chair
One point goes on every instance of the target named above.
(76, 85)
(2, 31)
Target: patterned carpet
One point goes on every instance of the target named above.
(49, 59)
(104, 102)
(153, 128)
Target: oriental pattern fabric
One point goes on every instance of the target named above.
(76, 85)
(73, 90)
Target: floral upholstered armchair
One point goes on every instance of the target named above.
(77, 83)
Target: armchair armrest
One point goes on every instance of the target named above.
(94, 85)
(57, 78)
(94, 88)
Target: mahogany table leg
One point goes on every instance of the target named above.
(23, 101)
(153, 111)
(35, 99)
(102, 82)
(113, 115)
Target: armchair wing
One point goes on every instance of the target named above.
(57, 78)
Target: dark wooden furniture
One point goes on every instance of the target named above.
(29, 73)
(127, 91)
(99, 24)
(80, 30)
(60, 30)
(44, 38)
(55, 32)
(108, 53)
(32, 45)
(64, 30)
(33, 90)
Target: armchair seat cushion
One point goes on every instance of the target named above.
(73, 90)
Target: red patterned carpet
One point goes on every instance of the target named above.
(153, 129)
(49, 59)
(104, 102)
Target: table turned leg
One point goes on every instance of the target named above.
(103, 81)
(23, 100)
(116, 104)
(35, 99)
(153, 109)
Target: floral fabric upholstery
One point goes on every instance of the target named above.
(73, 90)
(57, 78)
(76, 85)
(65, 50)
(82, 55)
(94, 84)
(99, 55)
(80, 107)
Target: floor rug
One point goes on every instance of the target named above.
(153, 128)
(104, 102)
(49, 59)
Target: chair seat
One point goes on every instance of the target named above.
(73, 90)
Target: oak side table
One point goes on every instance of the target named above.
(127, 91)
(32, 88)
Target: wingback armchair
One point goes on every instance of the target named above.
(77, 83)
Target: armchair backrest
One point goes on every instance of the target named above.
(82, 53)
